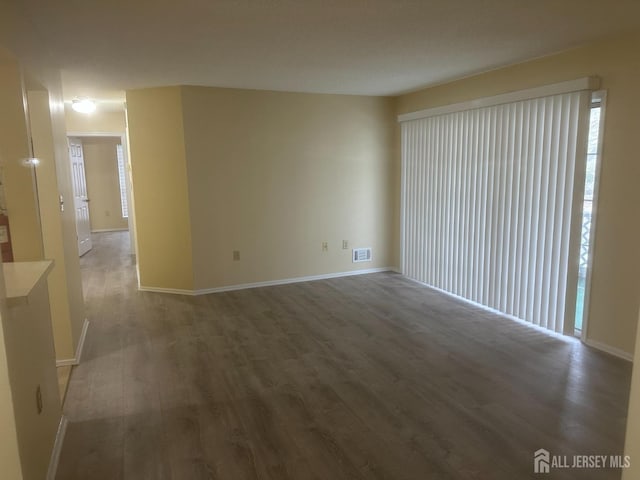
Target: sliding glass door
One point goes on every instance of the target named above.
(492, 204)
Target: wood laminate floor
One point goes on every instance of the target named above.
(365, 377)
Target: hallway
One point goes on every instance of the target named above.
(364, 377)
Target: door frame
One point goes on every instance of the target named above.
(128, 185)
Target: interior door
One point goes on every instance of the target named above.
(80, 197)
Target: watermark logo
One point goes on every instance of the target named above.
(544, 462)
(541, 461)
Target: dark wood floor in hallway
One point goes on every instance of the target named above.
(364, 377)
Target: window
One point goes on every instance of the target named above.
(123, 182)
(490, 203)
(588, 209)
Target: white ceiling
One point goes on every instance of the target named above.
(372, 47)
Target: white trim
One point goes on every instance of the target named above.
(83, 337)
(66, 362)
(551, 333)
(57, 448)
(79, 348)
(269, 283)
(568, 338)
(104, 230)
(285, 281)
(140, 287)
(95, 134)
(585, 83)
(174, 291)
(616, 352)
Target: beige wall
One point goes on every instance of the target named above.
(270, 174)
(51, 142)
(9, 451)
(616, 260)
(19, 180)
(44, 149)
(31, 361)
(274, 175)
(103, 184)
(15, 33)
(100, 121)
(632, 444)
(159, 175)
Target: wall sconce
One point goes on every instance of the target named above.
(30, 162)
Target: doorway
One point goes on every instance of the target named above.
(103, 182)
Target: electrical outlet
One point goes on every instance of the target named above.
(236, 255)
(345, 244)
(325, 246)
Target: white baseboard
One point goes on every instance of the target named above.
(591, 343)
(65, 362)
(57, 448)
(616, 352)
(81, 340)
(268, 283)
(79, 348)
(103, 230)
(175, 291)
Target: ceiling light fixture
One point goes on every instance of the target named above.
(83, 105)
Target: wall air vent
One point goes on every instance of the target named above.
(361, 255)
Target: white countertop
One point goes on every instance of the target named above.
(20, 278)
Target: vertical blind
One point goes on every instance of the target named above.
(490, 204)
